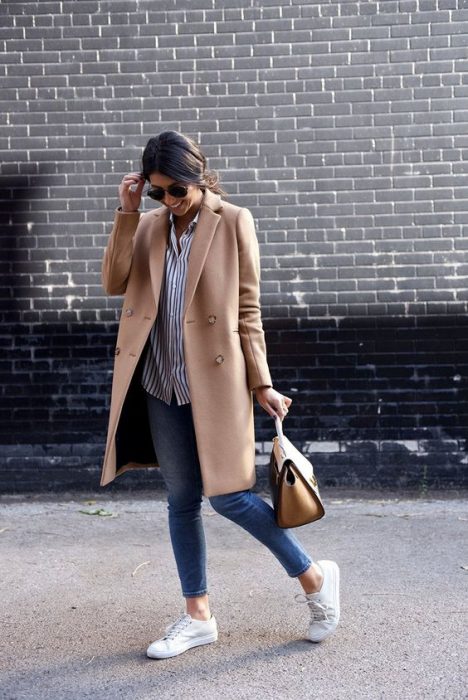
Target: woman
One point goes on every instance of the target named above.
(190, 355)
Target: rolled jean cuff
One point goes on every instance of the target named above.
(303, 570)
(195, 595)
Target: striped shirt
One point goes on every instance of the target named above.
(164, 366)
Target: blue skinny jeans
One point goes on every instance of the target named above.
(173, 435)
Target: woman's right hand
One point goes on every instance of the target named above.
(130, 198)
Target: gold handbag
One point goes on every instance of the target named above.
(293, 486)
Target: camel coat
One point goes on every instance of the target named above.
(224, 344)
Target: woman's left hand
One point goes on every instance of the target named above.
(274, 403)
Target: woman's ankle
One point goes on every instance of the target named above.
(203, 616)
(198, 608)
(312, 579)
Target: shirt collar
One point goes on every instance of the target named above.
(191, 224)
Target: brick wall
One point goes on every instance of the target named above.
(342, 126)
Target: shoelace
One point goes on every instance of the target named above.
(178, 626)
(318, 611)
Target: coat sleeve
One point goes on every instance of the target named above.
(250, 322)
(118, 254)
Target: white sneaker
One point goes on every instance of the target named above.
(324, 605)
(183, 634)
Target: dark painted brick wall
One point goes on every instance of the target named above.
(342, 125)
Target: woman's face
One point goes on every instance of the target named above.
(179, 207)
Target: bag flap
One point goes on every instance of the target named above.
(293, 455)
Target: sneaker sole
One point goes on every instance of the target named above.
(335, 572)
(208, 639)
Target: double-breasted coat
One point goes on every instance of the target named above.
(223, 339)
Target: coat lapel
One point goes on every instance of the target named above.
(157, 251)
(203, 236)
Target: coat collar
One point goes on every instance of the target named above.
(212, 201)
(204, 233)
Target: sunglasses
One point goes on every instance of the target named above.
(177, 191)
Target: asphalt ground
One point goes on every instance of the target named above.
(84, 594)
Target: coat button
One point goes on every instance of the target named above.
(117, 351)
(219, 359)
(129, 312)
(211, 319)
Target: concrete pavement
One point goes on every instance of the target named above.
(83, 595)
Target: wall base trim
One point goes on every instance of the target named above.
(420, 464)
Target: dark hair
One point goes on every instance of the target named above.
(179, 157)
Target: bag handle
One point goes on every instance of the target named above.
(279, 432)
